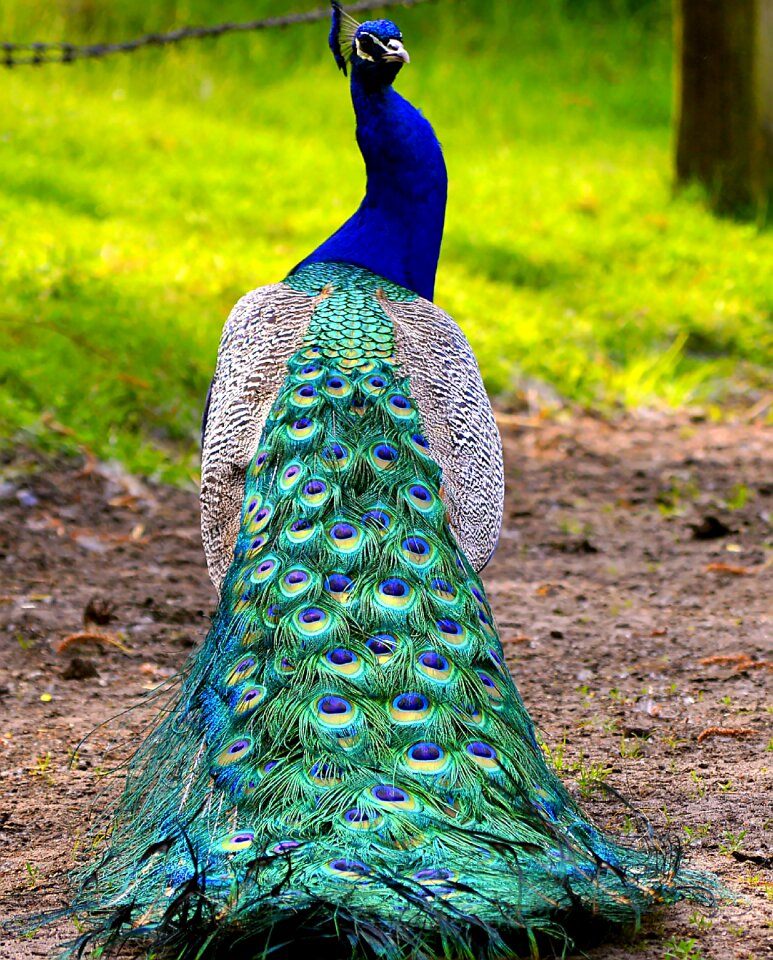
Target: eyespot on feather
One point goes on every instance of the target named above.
(426, 757)
(243, 669)
(351, 870)
(265, 571)
(384, 456)
(291, 476)
(311, 371)
(395, 594)
(305, 396)
(339, 587)
(334, 711)
(234, 752)
(444, 590)
(394, 798)
(311, 621)
(400, 407)
(356, 819)
(302, 429)
(343, 662)
(378, 518)
(483, 754)
(301, 531)
(315, 493)
(420, 497)
(236, 842)
(295, 582)
(259, 462)
(337, 386)
(491, 686)
(417, 551)
(382, 646)
(344, 536)
(324, 775)
(251, 699)
(434, 666)
(336, 456)
(410, 708)
(452, 632)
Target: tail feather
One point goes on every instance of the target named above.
(349, 756)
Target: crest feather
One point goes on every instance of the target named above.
(342, 33)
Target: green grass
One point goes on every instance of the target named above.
(141, 196)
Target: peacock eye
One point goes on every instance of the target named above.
(366, 45)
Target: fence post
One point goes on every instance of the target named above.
(724, 100)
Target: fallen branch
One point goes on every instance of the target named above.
(730, 568)
(741, 661)
(90, 636)
(735, 732)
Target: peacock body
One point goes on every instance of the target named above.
(349, 757)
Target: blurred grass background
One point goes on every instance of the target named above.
(142, 195)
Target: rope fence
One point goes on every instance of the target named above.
(37, 54)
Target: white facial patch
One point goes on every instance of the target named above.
(358, 47)
(393, 49)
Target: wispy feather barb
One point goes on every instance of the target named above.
(342, 33)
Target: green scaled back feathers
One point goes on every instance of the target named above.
(349, 753)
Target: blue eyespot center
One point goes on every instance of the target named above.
(334, 452)
(388, 794)
(343, 531)
(394, 587)
(416, 545)
(332, 706)
(341, 657)
(381, 645)
(339, 583)
(295, 577)
(439, 874)
(411, 703)
(378, 518)
(313, 615)
(349, 866)
(386, 452)
(433, 661)
(425, 752)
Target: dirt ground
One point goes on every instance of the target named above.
(633, 587)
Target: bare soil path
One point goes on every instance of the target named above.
(633, 588)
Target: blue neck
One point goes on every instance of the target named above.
(398, 228)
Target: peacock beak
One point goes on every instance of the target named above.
(396, 51)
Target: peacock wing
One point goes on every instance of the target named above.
(433, 352)
(264, 329)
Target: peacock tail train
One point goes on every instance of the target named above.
(349, 757)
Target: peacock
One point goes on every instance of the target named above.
(348, 766)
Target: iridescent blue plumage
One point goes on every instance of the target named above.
(398, 228)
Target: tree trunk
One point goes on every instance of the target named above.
(725, 100)
(765, 105)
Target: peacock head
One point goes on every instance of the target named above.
(374, 48)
